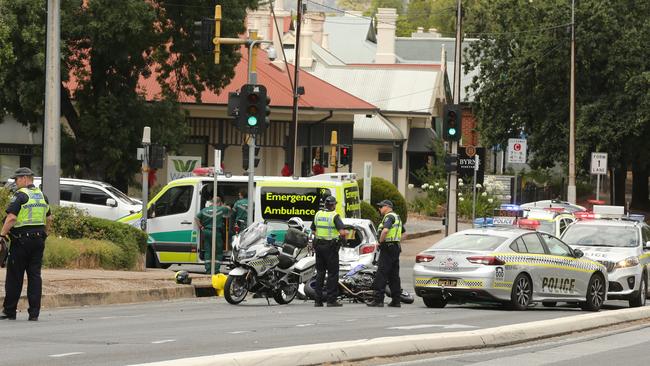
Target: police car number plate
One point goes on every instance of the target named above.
(447, 283)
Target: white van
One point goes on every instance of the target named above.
(98, 199)
(174, 236)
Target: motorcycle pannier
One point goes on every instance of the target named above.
(296, 238)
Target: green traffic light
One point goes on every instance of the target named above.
(451, 132)
(252, 121)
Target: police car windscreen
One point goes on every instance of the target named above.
(480, 242)
(601, 236)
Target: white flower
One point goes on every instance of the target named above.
(460, 194)
(441, 189)
(484, 194)
(436, 184)
(411, 186)
(460, 180)
(460, 183)
(490, 200)
(461, 199)
(478, 185)
(425, 185)
(431, 187)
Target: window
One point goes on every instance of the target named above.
(470, 242)
(645, 233)
(93, 196)
(175, 200)
(533, 244)
(556, 247)
(66, 192)
(519, 246)
(614, 235)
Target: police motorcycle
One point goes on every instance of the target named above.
(262, 266)
(358, 256)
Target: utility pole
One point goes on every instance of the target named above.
(52, 123)
(293, 128)
(571, 193)
(452, 203)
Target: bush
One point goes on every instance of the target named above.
(384, 190)
(84, 253)
(435, 199)
(370, 213)
(5, 196)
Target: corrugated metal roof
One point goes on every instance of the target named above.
(347, 38)
(325, 56)
(390, 87)
(375, 128)
(426, 49)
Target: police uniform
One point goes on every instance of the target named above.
(205, 219)
(326, 226)
(27, 237)
(388, 264)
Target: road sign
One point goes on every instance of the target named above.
(517, 151)
(598, 163)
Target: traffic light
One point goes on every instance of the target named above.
(451, 163)
(156, 156)
(345, 154)
(452, 122)
(253, 109)
(245, 149)
(203, 34)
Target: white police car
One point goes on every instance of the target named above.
(619, 242)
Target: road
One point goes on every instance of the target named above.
(621, 347)
(125, 334)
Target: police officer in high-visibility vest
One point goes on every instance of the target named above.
(390, 234)
(26, 225)
(328, 232)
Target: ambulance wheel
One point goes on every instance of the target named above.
(434, 302)
(595, 293)
(235, 290)
(549, 304)
(522, 292)
(638, 298)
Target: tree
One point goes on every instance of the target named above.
(523, 84)
(107, 49)
(358, 5)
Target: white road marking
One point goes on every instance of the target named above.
(163, 341)
(304, 325)
(423, 326)
(121, 317)
(239, 332)
(66, 354)
(351, 320)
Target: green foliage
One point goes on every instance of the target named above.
(382, 189)
(85, 253)
(359, 5)
(434, 200)
(5, 196)
(72, 223)
(370, 213)
(107, 49)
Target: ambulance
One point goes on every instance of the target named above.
(174, 237)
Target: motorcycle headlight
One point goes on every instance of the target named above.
(628, 262)
(244, 254)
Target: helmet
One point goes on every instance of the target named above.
(183, 278)
(330, 200)
(296, 223)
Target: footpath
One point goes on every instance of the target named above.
(86, 287)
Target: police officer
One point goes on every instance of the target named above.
(204, 221)
(329, 230)
(390, 235)
(27, 223)
(240, 211)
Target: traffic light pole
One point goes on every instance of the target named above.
(452, 199)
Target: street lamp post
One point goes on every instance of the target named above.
(571, 191)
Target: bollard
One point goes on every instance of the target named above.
(219, 282)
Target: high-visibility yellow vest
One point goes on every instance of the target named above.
(34, 211)
(395, 232)
(325, 227)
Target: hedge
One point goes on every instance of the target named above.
(370, 213)
(85, 253)
(384, 190)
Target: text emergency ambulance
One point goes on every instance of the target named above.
(174, 237)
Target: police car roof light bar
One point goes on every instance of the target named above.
(613, 212)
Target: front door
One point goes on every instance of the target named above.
(171, 225)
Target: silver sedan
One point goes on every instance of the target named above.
(510, 266)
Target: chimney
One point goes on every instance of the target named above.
(386, 18)
(420, 29)
(306, 36)
(317, 25)
(434, 33)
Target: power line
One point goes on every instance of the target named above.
(277, 30)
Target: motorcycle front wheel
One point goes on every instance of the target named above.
(235, 290)
(286, 294)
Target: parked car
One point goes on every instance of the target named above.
(567, 206)
(98, 199)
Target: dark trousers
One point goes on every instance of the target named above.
(388, 271)
(327, 260)
(26, 254)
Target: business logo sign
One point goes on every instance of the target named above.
(181, 166)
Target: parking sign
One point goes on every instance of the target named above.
(598, 163)
(516, 151)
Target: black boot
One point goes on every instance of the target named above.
(376, 304)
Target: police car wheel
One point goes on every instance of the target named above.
(639, 298)
(434, 302)
(522, 292)
(549, 304)
(595, 294)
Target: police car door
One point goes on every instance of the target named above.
(567, 276)
(534, 261)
